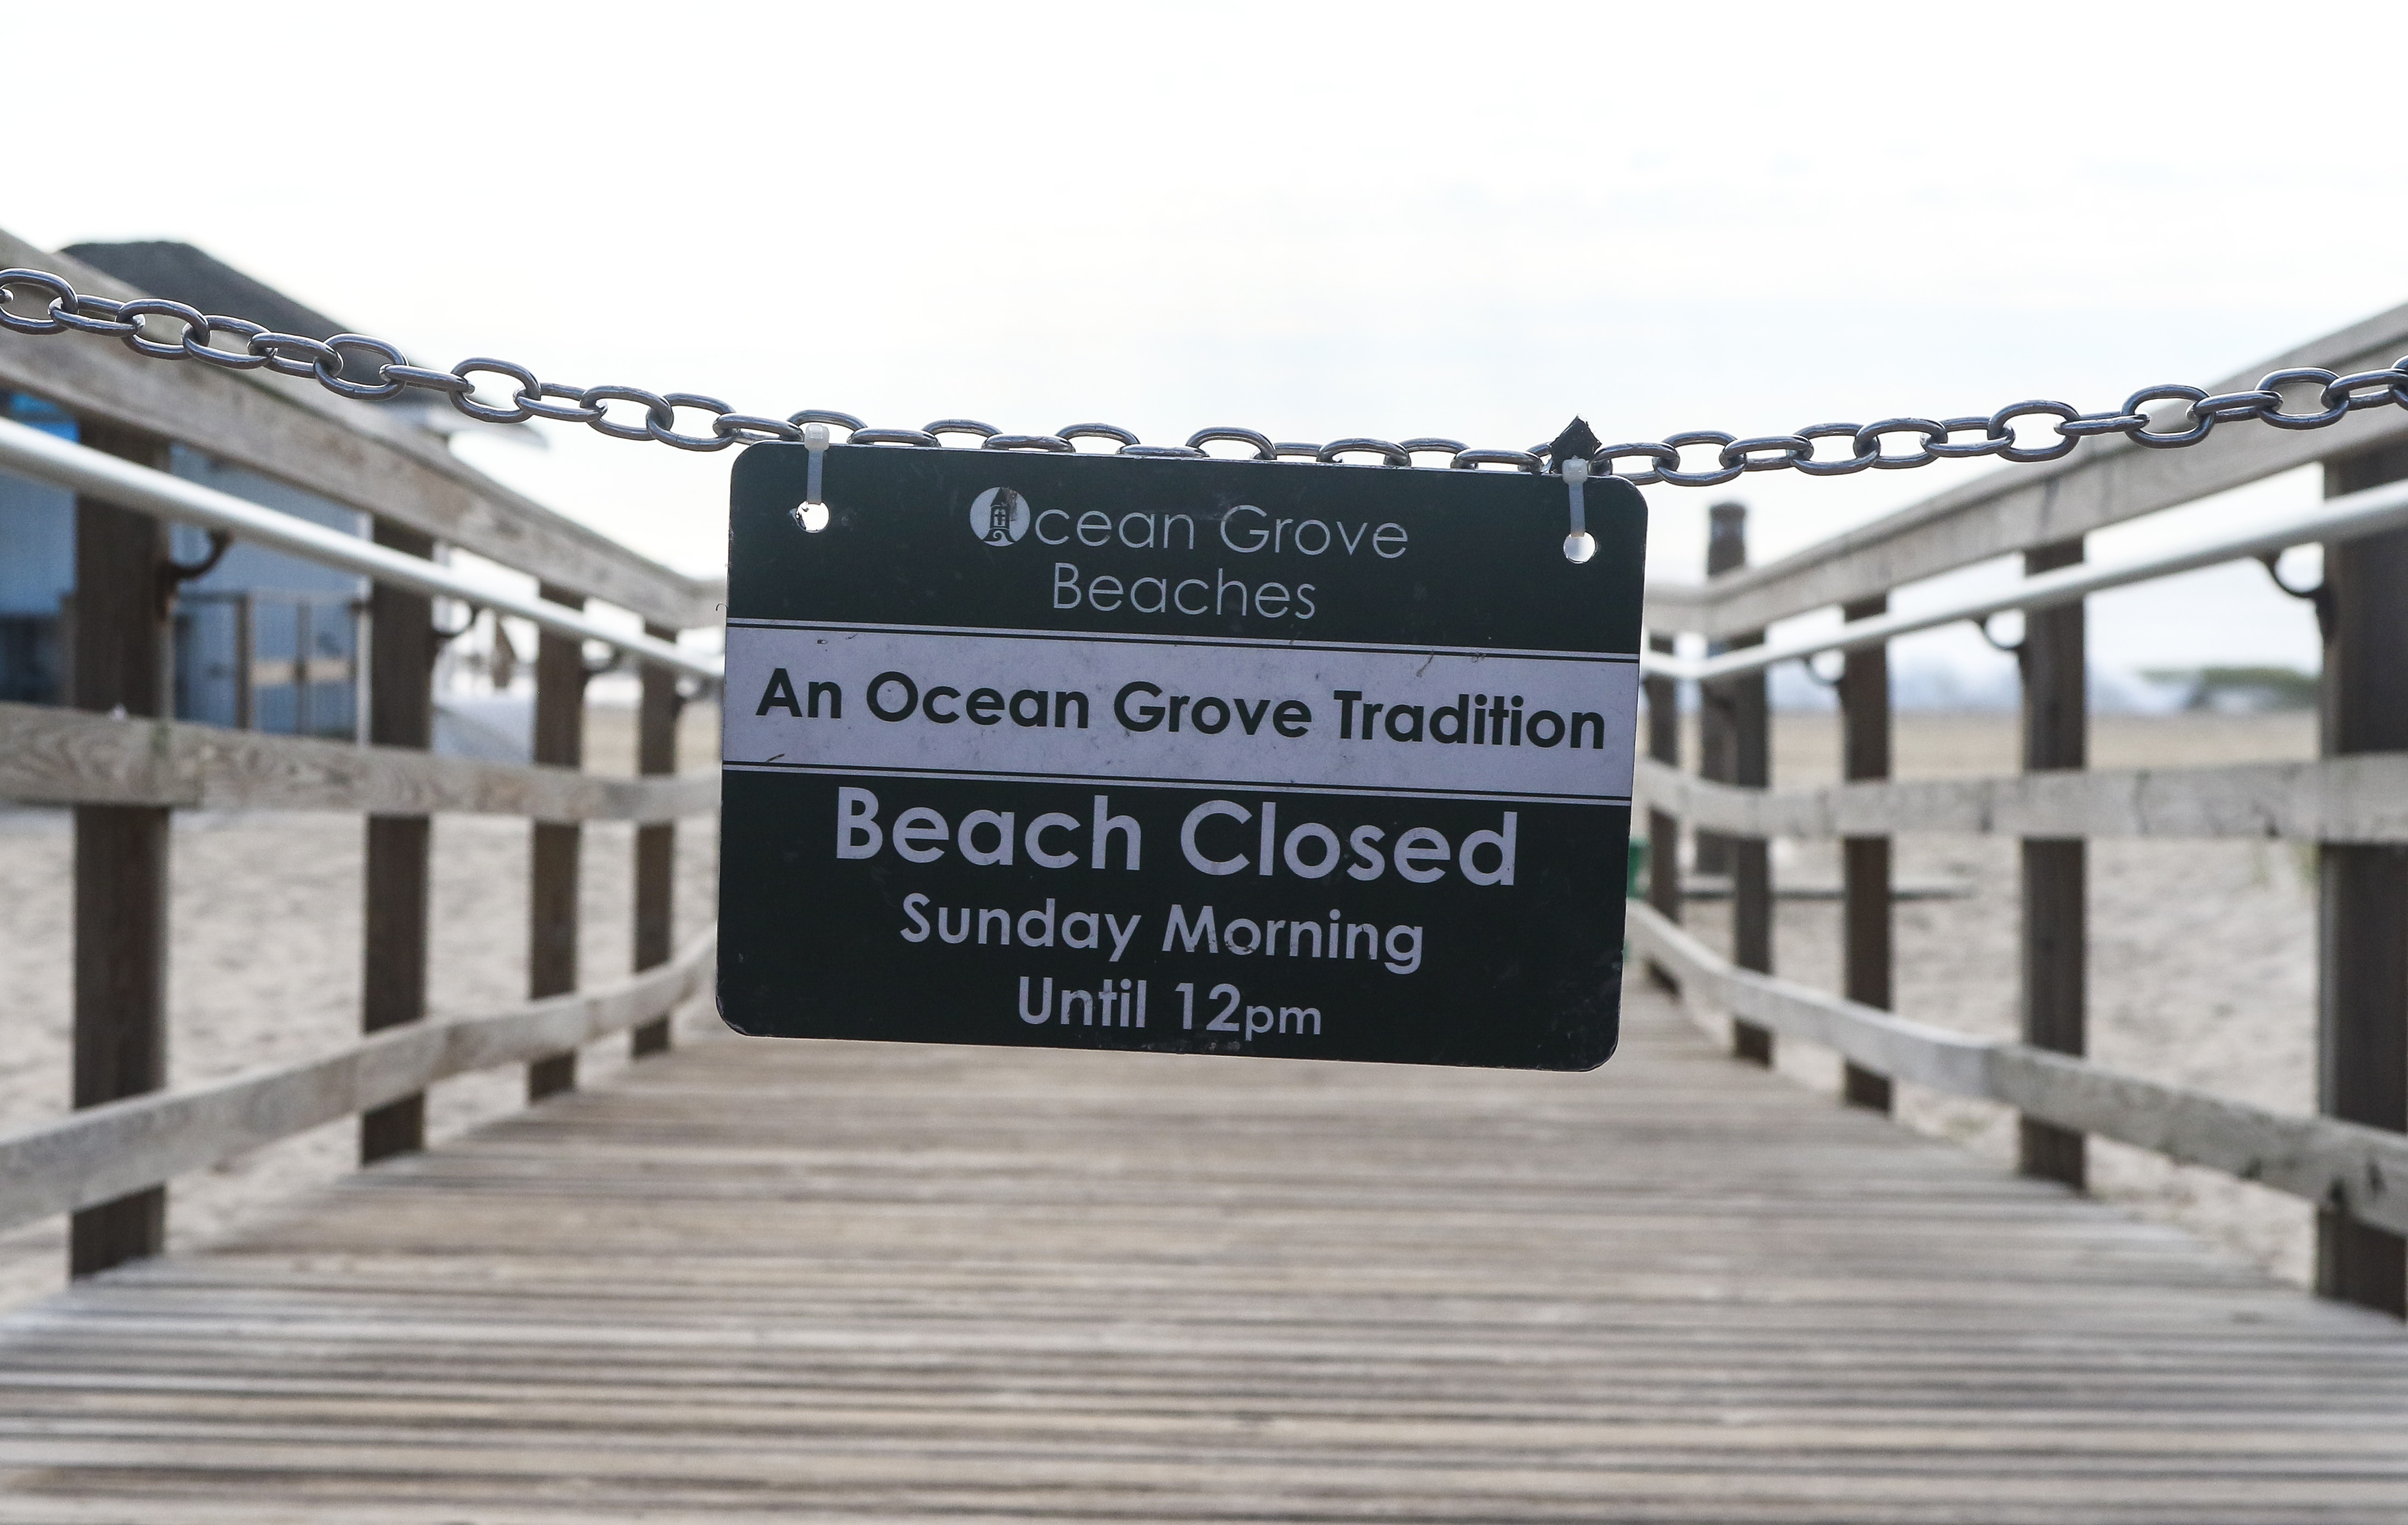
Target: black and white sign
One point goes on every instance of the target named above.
(1224, 756)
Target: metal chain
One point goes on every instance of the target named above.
(328, 360)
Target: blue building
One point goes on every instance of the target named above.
(260, 641)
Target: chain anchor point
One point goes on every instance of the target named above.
(1579, 545)
(812, 512)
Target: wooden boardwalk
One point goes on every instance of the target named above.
(817, 1282)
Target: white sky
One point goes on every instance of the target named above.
(1390, 220)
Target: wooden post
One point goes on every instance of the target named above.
(2362, 889)
(120, 851)
(2055, 876)
(656, 737)
(400, 712)
(1865, 861)
(302, 635)
(1751, 856)
(1717, 759)
(1663, 829)
(246, 654)
(559, 740)
(1735, 746)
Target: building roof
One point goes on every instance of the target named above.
(178, 272)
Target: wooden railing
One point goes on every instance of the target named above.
(2352, 803)
(111, 754)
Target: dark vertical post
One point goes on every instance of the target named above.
(559, 740)
(302, 636)
(2056, 875)
(1735, 746)
(1663, 829)
(401, 713)
(1751, 856)
(1864, 861)
(1717, 762)
(120, 851)
(2362, 889)
(246, 653)
(656, 729)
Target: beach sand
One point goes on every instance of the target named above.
(2202, 954)
(263, 968)
(2203, 962)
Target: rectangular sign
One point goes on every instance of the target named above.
(1217, 756)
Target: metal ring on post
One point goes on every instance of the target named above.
(1264, 450)
(1431, 445)
(895, 436)
(1054, 443)
(1296, 450)
(1390, 453)
(1184, 453)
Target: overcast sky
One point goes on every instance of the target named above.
(1394, 219)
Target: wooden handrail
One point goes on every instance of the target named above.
(2362, 798)
(2334, 1164)
(67, 757)
(103, 1153)
(363, 457)
(2105, 482)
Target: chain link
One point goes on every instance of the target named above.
(370, 370)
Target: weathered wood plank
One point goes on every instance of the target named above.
(2319, 1159)
(295, 432)
(847, 1282)
(119, 661)
(107, 1151)
(2106, 480)
(61, 757)
(2362, 798)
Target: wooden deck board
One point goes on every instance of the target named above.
(833, 1282)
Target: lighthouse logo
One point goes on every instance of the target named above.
(999, 516)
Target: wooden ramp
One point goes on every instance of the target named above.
(810, 1282)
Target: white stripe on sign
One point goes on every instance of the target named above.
(1040, 705)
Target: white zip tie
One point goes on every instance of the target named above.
(812, 512)
(1577, 545)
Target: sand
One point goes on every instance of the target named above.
(263, 968)
(2203, 963)
(2202, 955)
